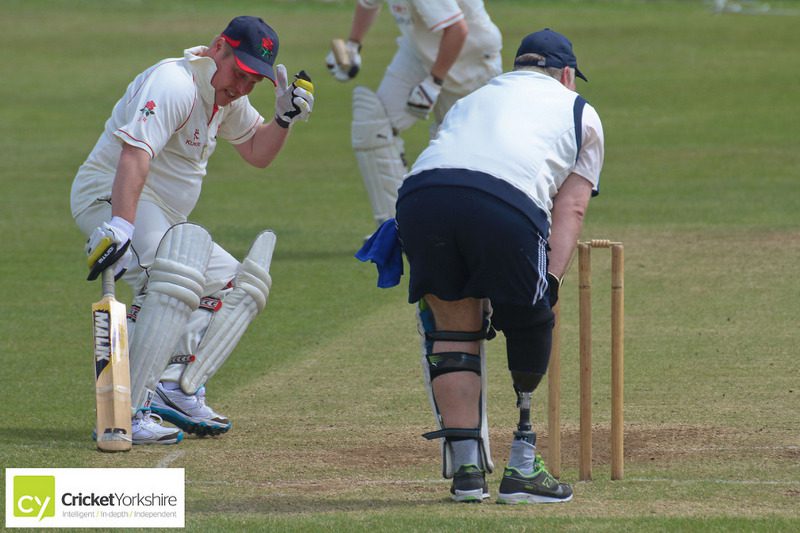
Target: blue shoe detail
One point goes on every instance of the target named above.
(199, 428)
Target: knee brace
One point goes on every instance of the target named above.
(444, 363)
(438, 364)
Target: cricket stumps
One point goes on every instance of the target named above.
(585, 349)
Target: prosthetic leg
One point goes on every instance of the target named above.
(528, 333)
(524, 385)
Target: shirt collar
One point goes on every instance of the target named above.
(203, 68)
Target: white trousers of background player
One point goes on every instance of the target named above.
(377, 123)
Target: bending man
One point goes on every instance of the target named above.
(507, 179)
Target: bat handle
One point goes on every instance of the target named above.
(303, 80)
(108, 282)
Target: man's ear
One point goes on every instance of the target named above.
(217, 44)
(568, 78)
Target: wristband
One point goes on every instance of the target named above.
(553, 277)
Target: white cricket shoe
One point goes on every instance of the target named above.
(189, 411)
(147, 429)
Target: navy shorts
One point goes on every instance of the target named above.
(464, 242)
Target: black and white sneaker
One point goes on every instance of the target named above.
(469, 485)
(538, 487)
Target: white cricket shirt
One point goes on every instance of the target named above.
(168, 110)
(421, 23)
(520, 128)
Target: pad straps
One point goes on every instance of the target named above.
(446, 362)
(454, 434)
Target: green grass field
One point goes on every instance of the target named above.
(325, 392)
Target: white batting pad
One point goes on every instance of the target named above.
(176, 283)
(378, 152)
(248, 298)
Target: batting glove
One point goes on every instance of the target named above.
(292, 102)
(109, 247)
(553, 284)
(423, 98)
(353, 53)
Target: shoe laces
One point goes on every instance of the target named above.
(148, 418)
(200, 395)
(539, 466)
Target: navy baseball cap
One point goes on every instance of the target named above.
(554, 47)
(255, 45)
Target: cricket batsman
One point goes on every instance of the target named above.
(132, 198)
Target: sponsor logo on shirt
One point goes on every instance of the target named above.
(195, 140)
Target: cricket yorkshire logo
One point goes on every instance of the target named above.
(102, 341)
(34, 497)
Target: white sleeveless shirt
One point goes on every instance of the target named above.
(520, 128)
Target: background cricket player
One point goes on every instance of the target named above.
(447, 49)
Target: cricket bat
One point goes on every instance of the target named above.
(340, 54)
(112, 372)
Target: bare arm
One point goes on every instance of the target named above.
(453, 38)
(264, 146)
(362, 22)
(569, 208)
(132, 170)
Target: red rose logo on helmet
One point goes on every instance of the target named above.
(266, 47)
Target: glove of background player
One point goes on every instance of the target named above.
(109, 247)
(423, 98)
(553, 284)
(292, 102)
(353, 49)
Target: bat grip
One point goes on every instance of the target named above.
(108, 282)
